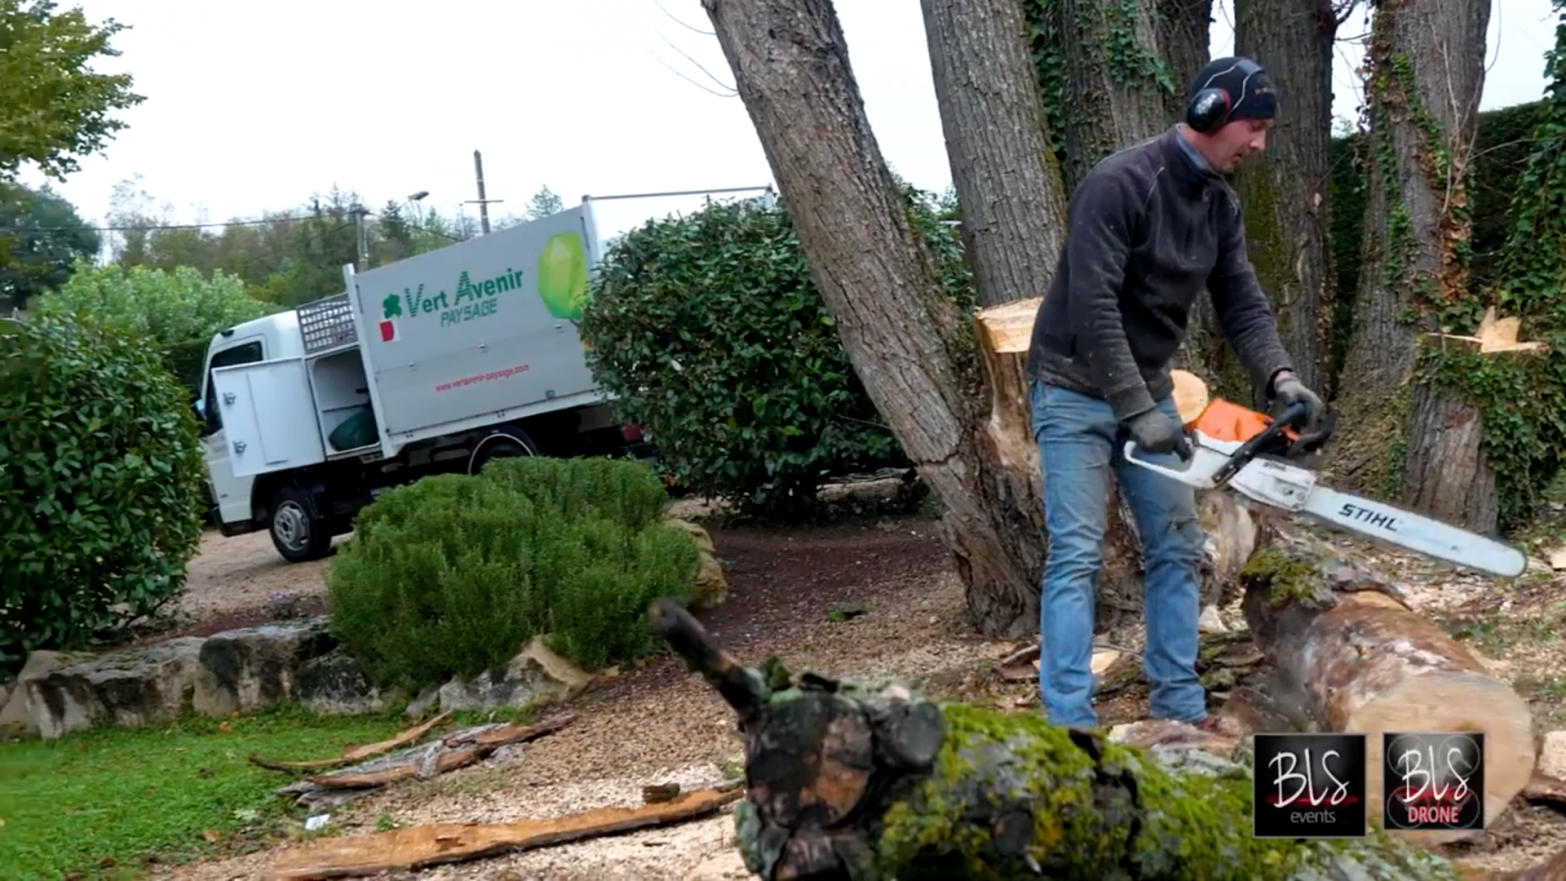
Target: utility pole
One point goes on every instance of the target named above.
(360, 213)
(483, 203)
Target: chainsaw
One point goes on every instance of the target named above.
(1236, 447)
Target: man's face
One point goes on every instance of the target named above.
(1237, 141)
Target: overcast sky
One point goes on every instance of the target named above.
(252, 105)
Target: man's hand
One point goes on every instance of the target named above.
(1157, 433)
(1289, 391)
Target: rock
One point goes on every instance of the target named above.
(255, 666)
(16, 717)
(334, 684)
(428, 700)
(285, 604)
(1552, 755)
(711, 587)
(536, 675)
(1211, 622)
(130, 687)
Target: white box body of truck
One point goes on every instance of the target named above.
(432, 364)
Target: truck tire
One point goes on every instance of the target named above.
(298, 532)
(516, 444)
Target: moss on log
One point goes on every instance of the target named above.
(856, 782)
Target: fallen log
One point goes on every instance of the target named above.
(456, 750)
(358, 753)
(1366, 662)
(850, 781)
(418, 847)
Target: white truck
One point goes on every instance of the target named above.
(437, 363)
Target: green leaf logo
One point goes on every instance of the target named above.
(562, 276)
(391, 307)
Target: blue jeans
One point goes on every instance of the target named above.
(1079, 445)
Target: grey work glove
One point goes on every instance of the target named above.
(1289, 391)
(1155, 432)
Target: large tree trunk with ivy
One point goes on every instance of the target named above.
(1116, 82)
(1285, 194)
(907, 341)
(853, 781)
(1406, 434)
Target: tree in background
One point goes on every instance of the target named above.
(543, 204)
(56, 109)
(174, 312)
(41, 237)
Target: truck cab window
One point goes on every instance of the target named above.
(245, 353)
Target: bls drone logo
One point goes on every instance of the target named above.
(1433, 780)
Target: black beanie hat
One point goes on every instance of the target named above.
(1250, 93)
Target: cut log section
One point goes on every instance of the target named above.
(1368, 663)
(852, 781)
(417, 847)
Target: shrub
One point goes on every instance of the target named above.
(102, 484)
(176, 312)
(710, 332)
(453, 574)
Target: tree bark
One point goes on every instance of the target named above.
(1285, 194)
(1184, 35)
(1007, 181)
(1368, 663)
(909, 345)
(1116, 83)
(848, 781)
(1427, 73)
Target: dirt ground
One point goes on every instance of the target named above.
(788, 591)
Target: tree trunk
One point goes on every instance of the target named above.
(909, 345)
(848, 781)
(1007, 181)
(1368, 663)
(1184, 35)
(1013, 228)
(1285, 194)
(1116, 80)
(1427, 72)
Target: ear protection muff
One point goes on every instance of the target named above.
(1210, 105)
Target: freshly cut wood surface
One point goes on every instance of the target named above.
(1008, 328)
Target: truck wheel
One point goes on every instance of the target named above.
(298, 532)
(504, 449)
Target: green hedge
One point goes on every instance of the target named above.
(710, 331)
(102, 483)
(453, 574)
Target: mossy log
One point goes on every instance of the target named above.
(1366, 662)
(853, 782)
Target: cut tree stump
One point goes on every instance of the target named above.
(855, 782)
(1368, 663)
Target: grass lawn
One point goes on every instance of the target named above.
(104, 802)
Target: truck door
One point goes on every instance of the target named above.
(231, 494)
(269, 416)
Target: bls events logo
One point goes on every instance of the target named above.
(1315, 785)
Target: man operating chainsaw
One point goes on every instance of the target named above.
(1148, 229)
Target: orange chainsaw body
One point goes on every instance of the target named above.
(1227, 421)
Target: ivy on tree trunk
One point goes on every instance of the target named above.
(1418, 440)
